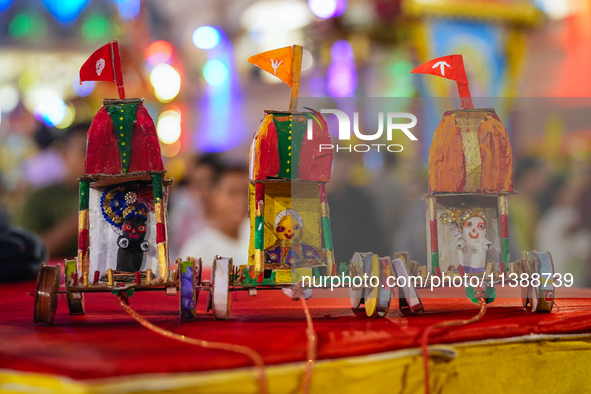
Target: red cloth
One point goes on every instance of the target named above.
(107, 342)
(102, 153)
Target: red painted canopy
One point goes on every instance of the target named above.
(470, 152)
(281, 148)
(122, 139)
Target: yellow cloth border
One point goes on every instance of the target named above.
(532, 363)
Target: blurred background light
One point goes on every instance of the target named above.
(169, 126)
(166, 81)
(170, 150)
(69, 117)
(206, 37)
(159, 52)
(275, 16)
(342, 74)
(4, 4)
(128, 9)
(307, 60)
(555, 9)
(20, 25)
(94, 28)
(51, 111)
(327, 8)
(83, 89)
(65, 11)
(215, 72)
(8, 98)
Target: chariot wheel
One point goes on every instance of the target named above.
(377, 298)
(544, 266)
(76, 303)
(46, 293)
(356, 294)
(220, 288)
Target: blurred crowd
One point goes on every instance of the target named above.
(373, 208)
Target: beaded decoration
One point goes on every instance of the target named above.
(121, 202)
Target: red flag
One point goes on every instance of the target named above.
(99, 66)
(450, 67)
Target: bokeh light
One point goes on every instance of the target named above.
(206, 37)
(68, 119)
(128, 9)
(20, 25)
(166, 81)
(8, 98)
(170, 150)
(169, 126)
(51, 111)
(65, 11)
(83, 89)
(159, 52)
(215, 72)
(307, 60)
(4, 4)
(275, 16)
(94, 28)
(323, 8)
(342, 74)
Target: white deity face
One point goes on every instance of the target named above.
(474, 230)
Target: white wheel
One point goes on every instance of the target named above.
(544, 293)
(408, 298)
(356, 297)
(384, 292)
(356, 294)
(372, 265)
(220, 286)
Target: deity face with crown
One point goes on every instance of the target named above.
(469, 227)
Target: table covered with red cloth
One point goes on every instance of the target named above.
(107, 342)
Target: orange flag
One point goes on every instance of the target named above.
(278, 62)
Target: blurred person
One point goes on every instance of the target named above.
(411, 237)
(557, 230)
(46, 166)
(187, 212)
(531, 179)
(52, 211)
(355, 223)
(228, 230)
(387, 192)
(21, 252)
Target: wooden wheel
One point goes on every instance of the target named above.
(220, 288)
(76, 303)
(48, 283)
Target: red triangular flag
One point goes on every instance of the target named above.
(450, 67)
(99, 66)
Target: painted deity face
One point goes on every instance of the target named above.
(474, 230)
(288, 228)
(134, 229)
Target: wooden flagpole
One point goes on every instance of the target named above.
(297, 70)
(117, 68)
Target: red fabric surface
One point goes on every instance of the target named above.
(102, 153)
(106, 342)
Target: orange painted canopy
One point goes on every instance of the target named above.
(470, 152)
